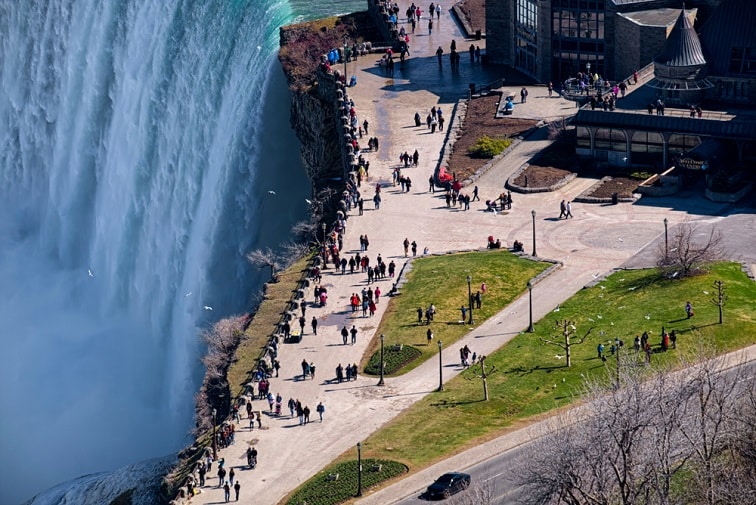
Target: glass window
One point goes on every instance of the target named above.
(583, 137)
(684, 142)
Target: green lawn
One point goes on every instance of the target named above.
(530, 379)
(442, 280)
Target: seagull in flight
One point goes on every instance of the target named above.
(271, 192)
(89, 272)
(188, 293)
(308, 201)
(207, 307)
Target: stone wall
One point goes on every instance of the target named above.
(500, 31)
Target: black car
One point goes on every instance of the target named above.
(448, 484)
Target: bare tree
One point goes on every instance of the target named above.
(568, 330)
(628, 445)
(291, 252)
(720, 297)
(262, 258)
(557, 128)
(304, 230)
(690, 251)
(479, 493)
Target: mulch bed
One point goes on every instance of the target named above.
(475, 12)
(623, 186)
(540, 177)
(479, 122)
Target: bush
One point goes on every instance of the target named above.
(320, 490)
(488, 147)
(394, 359)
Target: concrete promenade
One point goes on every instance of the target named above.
(598, 239)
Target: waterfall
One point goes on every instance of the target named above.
(133, 179)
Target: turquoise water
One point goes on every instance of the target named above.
(138, 143)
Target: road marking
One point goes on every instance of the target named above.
(494, 476)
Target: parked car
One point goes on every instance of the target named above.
(448, 484)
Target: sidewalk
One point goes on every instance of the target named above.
(598, 239)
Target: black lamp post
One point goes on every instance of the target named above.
(533, 213)
(324, 233)
(666, 238)
(345, 60)
(530, 305)
(325, 254)
(440, 367)
(359, 468)
(380, 382)
(215, 444)
(469, 299)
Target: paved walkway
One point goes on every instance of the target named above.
(598, 239)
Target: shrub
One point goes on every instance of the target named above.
(488, 147)
(394, 359)
(320, 490)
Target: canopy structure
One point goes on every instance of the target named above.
(680, 68)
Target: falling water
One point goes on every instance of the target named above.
(132, 181)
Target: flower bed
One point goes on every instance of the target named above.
(338, 483)
(395, 357)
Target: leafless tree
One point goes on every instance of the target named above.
(304, 230)
(263, 258)
(568, 330)
(720, 297)
(479, 493)
(690, 251)
(628, 445)
(292, 251)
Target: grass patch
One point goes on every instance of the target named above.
(442, 281)
(488, 147)
(263, 324)
(323, 489)
(394, 357)
(528, 378)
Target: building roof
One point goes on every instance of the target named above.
(682, 49)
(666, 124)
(653, 17)
(731, 25)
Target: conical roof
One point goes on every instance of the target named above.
(682, 48)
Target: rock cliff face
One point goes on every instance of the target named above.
(314, 122)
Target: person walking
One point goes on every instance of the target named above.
(439, 54)
(689, 310)
(353, 331)
(568, 210)
(227, 492)
(562, 209)
(344, 334)
(320, 410)
(475, 194)
(429, 336)
(237, 488)
(406, 247)
(314, 324)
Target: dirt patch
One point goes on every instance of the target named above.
(479, 122)
(623, 186)
(540, 177)
(475, 12)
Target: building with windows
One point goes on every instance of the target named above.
(552, 40)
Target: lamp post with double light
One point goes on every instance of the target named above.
(215, 443)
(440, 367)
(359, 468)
(470, 300)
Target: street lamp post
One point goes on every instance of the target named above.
(215, 444)
(588, 69)
(345, 60)
(666, 238)
(530, 305)
(380, 382)
(325, 254)
(469, 299)
(533, 213)
(359, 468)
(440, 367)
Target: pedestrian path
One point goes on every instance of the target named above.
(290, 453)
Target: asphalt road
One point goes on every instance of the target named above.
(499, 476)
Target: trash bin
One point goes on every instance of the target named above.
(478, 35)
(472, 88)
(615, 198)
